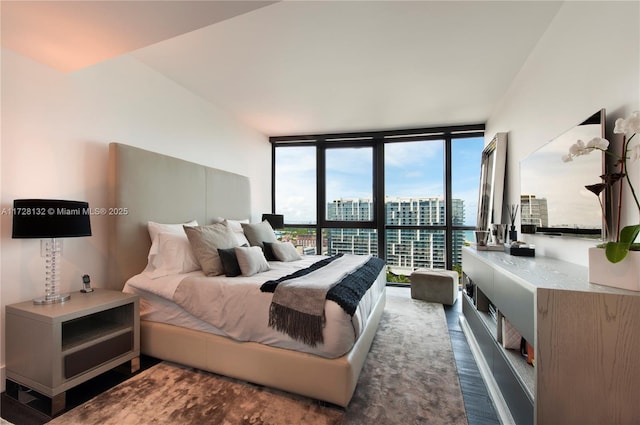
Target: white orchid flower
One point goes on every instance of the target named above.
(620, 127)
(633, 122)
(577, 148)
(598, 143)
(629, 125)
(580, 148)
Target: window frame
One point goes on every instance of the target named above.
(377, 140)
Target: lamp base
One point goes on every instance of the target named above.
(53, 300)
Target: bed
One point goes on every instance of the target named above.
(147, 186)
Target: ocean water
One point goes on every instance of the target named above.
(468, 235)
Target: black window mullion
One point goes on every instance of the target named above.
(273, 178)
(380, 217)
(448, 209)
(321, 196)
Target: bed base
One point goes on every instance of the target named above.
(329, 380)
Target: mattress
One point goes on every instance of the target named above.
(236, 308)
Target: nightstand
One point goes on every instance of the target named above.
(52, 348)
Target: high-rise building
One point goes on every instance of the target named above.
(534, 211)
(407, 249)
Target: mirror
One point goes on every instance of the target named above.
(553, 197)
(492, 169)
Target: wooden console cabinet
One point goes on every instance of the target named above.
(586, 339)
(52, 348)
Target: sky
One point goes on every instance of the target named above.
(412, 169)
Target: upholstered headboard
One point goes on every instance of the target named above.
(146, 186)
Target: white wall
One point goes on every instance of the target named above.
(589, 58)
(55, 133)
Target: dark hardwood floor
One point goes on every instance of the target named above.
(480, 410)
(478, 404)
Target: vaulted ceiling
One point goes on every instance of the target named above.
(300, 67)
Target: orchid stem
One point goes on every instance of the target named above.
(624, 165)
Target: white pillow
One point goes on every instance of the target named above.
(285, 251)
(174, 256)
(236, 227)
(251, 260)
(155, 229)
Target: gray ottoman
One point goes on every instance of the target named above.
(438, 286)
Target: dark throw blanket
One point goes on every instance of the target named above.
(297, 308)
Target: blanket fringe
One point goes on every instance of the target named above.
(300, 326)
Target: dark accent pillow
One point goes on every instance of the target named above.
(230, 262)
(267, 247)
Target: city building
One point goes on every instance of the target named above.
(534, 210)
(407, 248)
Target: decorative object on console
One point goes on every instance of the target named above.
(520, 250)
(616, 250)
(511, 338)
(513, 214)
(498, 232)
(48, 220)
(275, 220)
(624, 274)
(485, 240)
(481, 237)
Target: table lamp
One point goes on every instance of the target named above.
(48, 220)
(275, 220)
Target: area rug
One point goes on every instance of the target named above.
(409, 377)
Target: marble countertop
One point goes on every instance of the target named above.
(544, 272)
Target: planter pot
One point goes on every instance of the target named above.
(623, 275)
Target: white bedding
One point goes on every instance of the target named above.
(235, 307)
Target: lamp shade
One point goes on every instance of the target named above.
(50, 218)
(275, 220)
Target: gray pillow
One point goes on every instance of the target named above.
(205, 242)
(251, 260)
(257, 233)
(285, 251)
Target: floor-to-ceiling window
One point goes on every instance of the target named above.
(294, 184)
(415, 207)
(407, 196)
(465, 179)
(349, 214)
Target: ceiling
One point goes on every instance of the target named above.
(302, 67)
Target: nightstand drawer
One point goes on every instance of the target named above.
(97, 354)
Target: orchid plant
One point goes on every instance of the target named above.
(616, 250)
